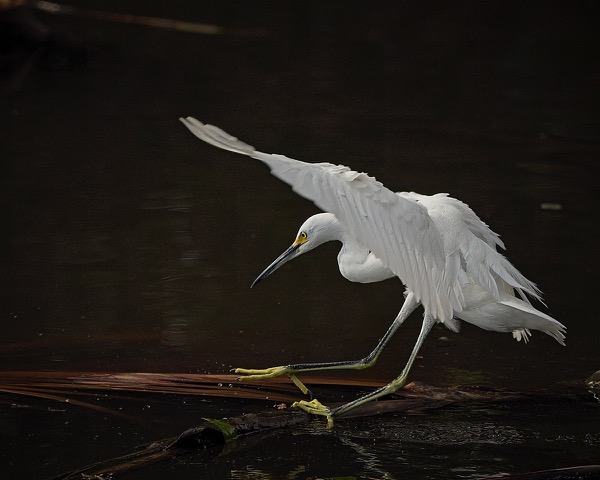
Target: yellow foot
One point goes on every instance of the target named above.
(316, 408)
(263, 374)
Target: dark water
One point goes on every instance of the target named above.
(130, 246)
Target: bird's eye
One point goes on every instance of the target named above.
(303, 235)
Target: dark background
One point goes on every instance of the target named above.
(130, 246)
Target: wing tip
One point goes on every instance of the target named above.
(216, 137)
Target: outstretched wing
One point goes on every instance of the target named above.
(465, 234)
(396, 230)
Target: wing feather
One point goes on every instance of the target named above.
(469, 238)
(398, 231)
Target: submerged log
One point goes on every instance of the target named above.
(212, 434)
(216, 433)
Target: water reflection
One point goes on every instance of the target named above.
(459, 376)
(472, 441)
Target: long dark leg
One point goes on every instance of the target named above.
(395, 385)
(410, 303)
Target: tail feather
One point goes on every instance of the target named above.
(508, 314)
(534, 319)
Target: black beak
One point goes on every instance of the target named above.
(279, 261)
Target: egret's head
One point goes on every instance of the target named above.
(316, 230)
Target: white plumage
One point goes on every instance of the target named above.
(438, 247)
(396, 230)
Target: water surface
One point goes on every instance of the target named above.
(130, 246)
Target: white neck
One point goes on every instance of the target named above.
(356, 262)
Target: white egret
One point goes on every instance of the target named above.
(439, 248)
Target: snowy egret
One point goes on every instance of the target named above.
(439, 248)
